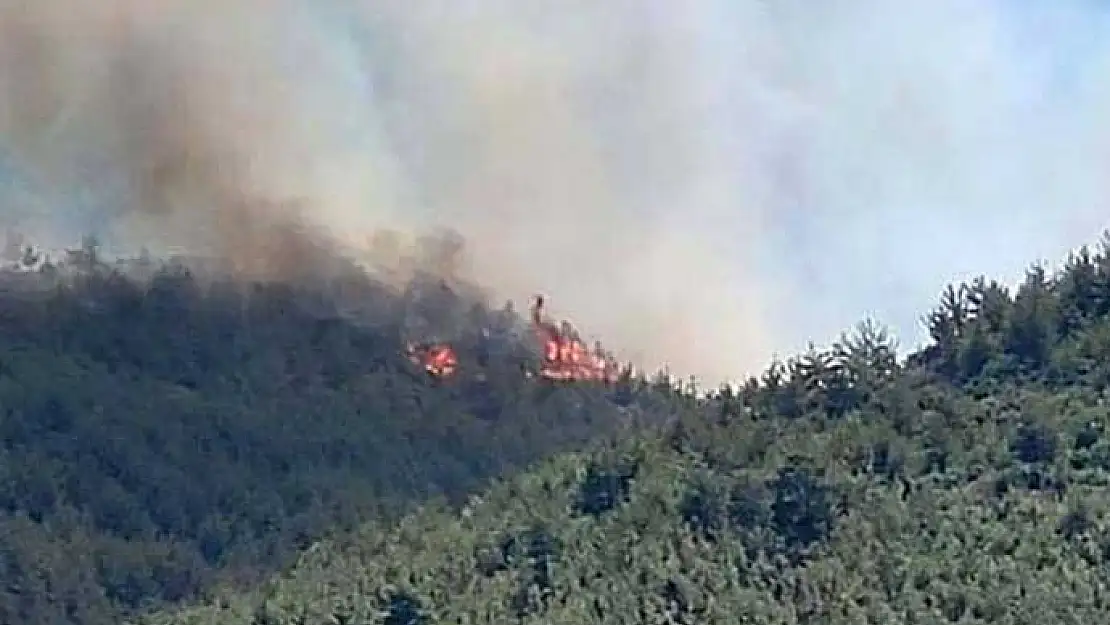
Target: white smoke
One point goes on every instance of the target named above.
(700, 184)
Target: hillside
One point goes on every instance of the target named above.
(167, 431)
(965, 485)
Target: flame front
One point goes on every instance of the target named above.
(438, 359)
(565, 357)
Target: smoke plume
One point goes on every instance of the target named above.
(699, 184)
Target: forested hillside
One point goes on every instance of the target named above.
(964, 485)
(165, 431)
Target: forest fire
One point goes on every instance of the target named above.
(438, 359)
(565, 357)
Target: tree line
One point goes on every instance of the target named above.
(963, 484)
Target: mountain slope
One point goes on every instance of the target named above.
(967, 485)
(836, 533)
(163, 433)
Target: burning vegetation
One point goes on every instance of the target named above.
(438, 359)
(558, 349)
(563, 355)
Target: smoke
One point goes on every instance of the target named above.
(699, 184)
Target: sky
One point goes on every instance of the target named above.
(701, 184)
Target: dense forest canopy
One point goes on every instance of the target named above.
(283, 427)
(168, 428)
(964, 484)
(174, 435)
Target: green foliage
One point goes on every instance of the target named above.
(165, 432)
(603, 489)
(801, 512)
(966, 484)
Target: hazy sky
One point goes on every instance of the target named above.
(701, 183)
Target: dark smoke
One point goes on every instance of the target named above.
(698, 184)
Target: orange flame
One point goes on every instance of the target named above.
(565, 357)
(438, 359)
